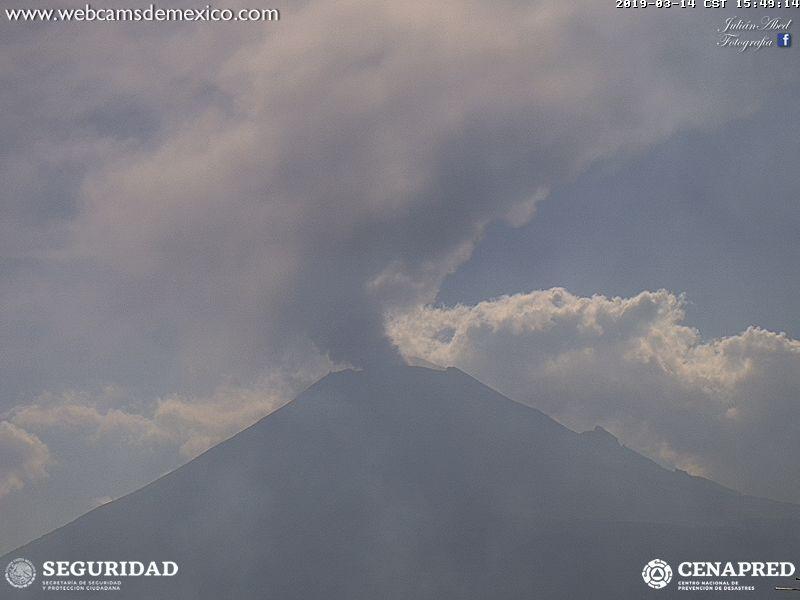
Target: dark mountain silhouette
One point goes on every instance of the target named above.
(412, 483)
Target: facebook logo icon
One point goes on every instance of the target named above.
(784, 40)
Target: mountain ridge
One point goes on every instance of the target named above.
(412, 482)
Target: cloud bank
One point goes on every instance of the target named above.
(724, 408)
(23, 458)
(179, 424)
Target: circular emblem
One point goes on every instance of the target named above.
(20, 573)
(657, 574)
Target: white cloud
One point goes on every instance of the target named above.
(23, 457)
(200, 424)
(100, 501)
(189, 425)
(726, 408)
(79, 412)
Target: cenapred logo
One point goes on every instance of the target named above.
(20, 573)
(657, 574)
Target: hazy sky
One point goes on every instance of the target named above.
(712, 214)
(199, 219)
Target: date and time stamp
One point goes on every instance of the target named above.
(766, 4)
(737, 32)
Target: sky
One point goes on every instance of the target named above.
(726, 239)
(593, 210)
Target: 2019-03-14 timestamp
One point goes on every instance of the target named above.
(708, 3)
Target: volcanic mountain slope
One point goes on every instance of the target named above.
(414, 483)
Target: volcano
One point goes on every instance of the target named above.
(415, 483)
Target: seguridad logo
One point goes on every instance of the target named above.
(63, 568)
(20, 573)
